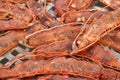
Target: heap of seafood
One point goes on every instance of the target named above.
(73, 45)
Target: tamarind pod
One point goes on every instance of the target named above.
(112, 40)
(93, 32)
(101, 55)
(18, 16)
(110, 75)
(13, 73)
(49, 21)
(40, 12)
(53, 77)
(20, 1)
(80, 4)
(62, 6)
(61, 77)
(114, 4)
(61, 65)
(36, 55)
(55, 49)
(51, 35)
(57, 46)
(11, 40)
(88, 67)
(97, 53)
(13, 79)
(80, 16)
(106, 57)
(65, 66)
(36, 8)
(19, 24)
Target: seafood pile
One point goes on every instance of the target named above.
(73, 45)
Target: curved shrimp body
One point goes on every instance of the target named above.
(96, 30)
